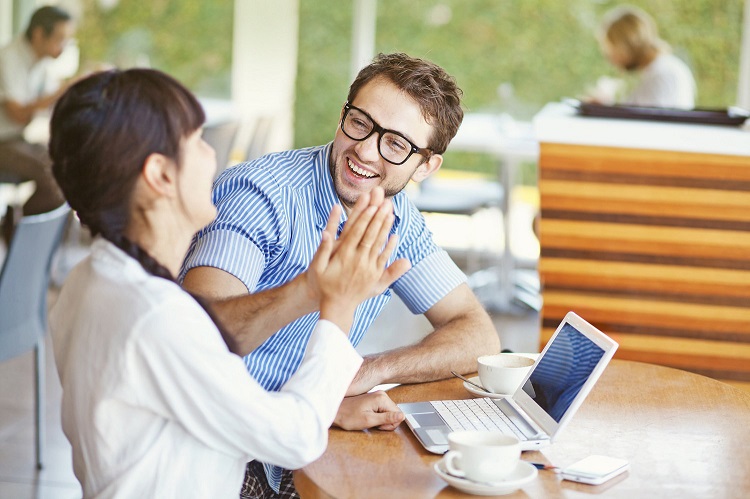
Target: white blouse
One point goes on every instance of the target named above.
(666, 82)
(155, 405)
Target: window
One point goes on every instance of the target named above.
(508, 56)
(192, 41)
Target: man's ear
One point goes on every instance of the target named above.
(37, 35)
(427, 168)
(160, 174)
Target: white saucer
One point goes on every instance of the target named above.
(523, 474)
(481, 393)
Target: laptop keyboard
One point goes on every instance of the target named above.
(475, 414)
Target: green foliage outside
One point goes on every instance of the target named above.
(190, 40)
(537, 51)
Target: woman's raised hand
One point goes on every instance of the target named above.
(347, 270)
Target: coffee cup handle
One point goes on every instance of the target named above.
(450, 456)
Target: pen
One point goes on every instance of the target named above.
(542, 466)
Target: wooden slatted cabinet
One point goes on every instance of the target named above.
(653, 247)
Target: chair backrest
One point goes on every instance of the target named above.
(221, 137)
(259, 139)
(10, 178)
(24, 279)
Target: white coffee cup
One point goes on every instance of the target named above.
(482, 456)
(502, 373)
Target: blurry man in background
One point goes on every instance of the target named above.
(27, 86)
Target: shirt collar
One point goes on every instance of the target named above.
(325, 193)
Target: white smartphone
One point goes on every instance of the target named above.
(595, 470)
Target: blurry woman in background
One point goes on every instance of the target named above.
(154, 403)
(630, 40)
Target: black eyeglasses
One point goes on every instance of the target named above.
(392, 146)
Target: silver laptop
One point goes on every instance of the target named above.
(544, 403)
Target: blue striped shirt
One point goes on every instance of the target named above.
(271, 213)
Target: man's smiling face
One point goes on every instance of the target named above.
(356, 166)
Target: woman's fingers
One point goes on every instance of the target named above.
(357, 264)
(391, 274)
(377, 230)
(361, 205)
(382, 237)
(322, 257)
(366, 207)
(387, 251)
(332, 226)
(351, 238)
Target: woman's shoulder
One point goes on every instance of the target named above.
(667, 65)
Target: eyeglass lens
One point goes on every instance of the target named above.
(392, 147)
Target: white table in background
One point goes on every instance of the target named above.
(511, 142)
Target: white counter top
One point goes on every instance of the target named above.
(497, 134)
(559, 123)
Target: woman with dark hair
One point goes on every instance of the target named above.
(154, 403)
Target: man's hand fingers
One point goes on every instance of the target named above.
(387, 421)
(369, 410)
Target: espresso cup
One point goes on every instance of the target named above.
(503, 373)
(482, 456)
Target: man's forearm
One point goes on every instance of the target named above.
(452, 346)
(249, 320)
(24, 113)
(19, 113)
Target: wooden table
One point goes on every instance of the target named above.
(685, 435)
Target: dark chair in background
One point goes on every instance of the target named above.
(498, 282)
(24, 279)
(465, 198)
(14, 211)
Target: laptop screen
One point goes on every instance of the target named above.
(562, 371)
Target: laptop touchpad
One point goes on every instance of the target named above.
(428, 419)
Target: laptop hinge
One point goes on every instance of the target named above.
(507, 408)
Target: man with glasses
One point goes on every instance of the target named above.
(27, 86)
(398, 119)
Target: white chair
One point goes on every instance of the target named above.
(23, 298)
(221, 137)
(259, 138)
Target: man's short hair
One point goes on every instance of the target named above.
(46, 18)
(428, 84)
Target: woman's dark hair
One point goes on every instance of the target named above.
(102, 130)
(46, 18)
